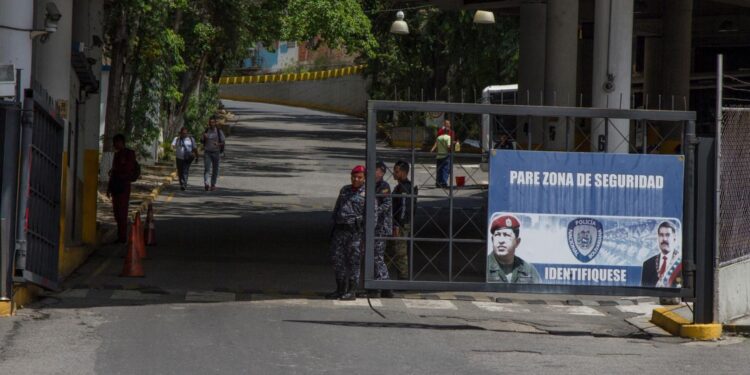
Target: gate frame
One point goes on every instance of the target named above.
(687, 118)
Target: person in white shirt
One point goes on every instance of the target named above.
(185, 153)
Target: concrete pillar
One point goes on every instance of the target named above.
(51, 68)
(15, 45)
(613, 51)
(652, 71)
(677, 30)
(52, 57)
(531, 67)
(560, 70)
(87, 23)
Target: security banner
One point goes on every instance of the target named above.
(585, 219)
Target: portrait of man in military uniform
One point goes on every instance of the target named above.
(502, 263)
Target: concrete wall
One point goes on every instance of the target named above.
(347, 95)
(733, 291)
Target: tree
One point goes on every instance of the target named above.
(445, 51)
(444, 57)
(163, 51)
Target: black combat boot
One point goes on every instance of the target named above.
(340, 289)
(351, 291)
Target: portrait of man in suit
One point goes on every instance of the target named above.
(664, 270)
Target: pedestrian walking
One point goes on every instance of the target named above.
(124, 170)
(186, 151)
(402, 210)
(444, 144)
(383, 226)
(346, 240)
(213, 147)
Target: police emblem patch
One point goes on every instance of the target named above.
(585, 236)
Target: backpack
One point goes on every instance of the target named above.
(136, 172)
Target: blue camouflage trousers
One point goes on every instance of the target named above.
(381, 270)
(346, 253)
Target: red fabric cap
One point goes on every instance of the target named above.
(505, 221)
(358, 169)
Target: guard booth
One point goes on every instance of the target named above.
(580, 222)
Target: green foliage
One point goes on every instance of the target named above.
(171, 47)
(445, 57)
(201, 107)
(341, 23)
(444, 53)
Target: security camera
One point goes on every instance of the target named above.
(53, 16)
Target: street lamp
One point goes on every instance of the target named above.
(399, 26)
(484, 17)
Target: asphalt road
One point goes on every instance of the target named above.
(232, 288)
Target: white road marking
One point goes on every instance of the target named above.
(209, 297)
(133, 295)
(501, 307)
(359, 302)
(74, 293)
(288, 301)
(576, 310)
(429, 304)
(641, 309)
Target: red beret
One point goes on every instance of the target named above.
(505, 221)
(358, 169)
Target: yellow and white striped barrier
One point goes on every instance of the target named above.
(291, 77)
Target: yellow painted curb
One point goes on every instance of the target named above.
(7, 308)
(701, 331)
(676, 325)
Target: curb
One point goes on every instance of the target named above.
(675, 324)
(155, 193)
(737, 328)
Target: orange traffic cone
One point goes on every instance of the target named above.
(138, 229)
(150, 229)
(132, 266)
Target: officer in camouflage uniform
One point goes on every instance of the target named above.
(346, 241)
(383, 226)
(502, 263)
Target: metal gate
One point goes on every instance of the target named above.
(42, 143)
(448, 237)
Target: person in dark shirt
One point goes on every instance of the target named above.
(120, 176)
(402, 204)
(504, 143)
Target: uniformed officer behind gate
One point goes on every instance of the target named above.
(502, 263)
(346, 251)
(383, 226)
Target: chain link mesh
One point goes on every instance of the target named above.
(734, 237)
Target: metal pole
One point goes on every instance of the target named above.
(410, 259)
(370, 215)
(717, 177)
(5, 260)
(27, 120)
(450, 203)
(8, 195)
(688, 234)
